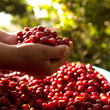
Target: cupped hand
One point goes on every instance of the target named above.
(41, 60)
(11, 39)
(8, 38)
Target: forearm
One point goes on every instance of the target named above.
(8, 58)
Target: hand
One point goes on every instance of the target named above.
(11, 39)
(8, 38)
(41, 60)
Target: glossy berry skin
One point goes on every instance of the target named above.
(25, 107)
(5, 82)
(44, 40)
(52, 41)
(34, 38)
(54, 33)
(20, 33)
(26, 29)
(66, 41)
(40, 28)
(40, 34)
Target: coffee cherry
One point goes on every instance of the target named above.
(40, 28)
(106, 107)
(52, 41)
(66, 41)
(20, 33)
(40, 34)
(34, 38)
(97, 107)
(25, 107)
(26, 29)
(54, 33)
(5, 82)
(44, 40)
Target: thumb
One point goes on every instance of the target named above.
(57, 51)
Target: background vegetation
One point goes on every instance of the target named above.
(85, 22)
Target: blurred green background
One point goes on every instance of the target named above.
(85, 22)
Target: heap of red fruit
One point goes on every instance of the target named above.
(72, 87)
(40, 34)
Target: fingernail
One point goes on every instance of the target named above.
(67, 50)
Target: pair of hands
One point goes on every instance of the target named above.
(37, 59)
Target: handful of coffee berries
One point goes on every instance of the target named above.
(40, 34)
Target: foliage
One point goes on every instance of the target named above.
(85, 22)
(13, 6)
(22, 12)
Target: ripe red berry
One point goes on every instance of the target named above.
(40, 34)
(25, 107)
(5, 82)
(28, 33)
(44, 40)
(66, 41)
(26, 29)
(54, 33)
(34, 38)
(27, 41)
(60, 42)
(40, 28)
(52, 41)
(97, 107)
(106, 107)
(20, 33)
(35, 28)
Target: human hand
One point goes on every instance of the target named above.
(11, 39)
(8, 38)
(41, 60)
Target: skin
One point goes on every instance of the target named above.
(35, 59)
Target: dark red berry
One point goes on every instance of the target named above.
(66, 41)
(40, 28)
(44, 40)
(52, 41)
(25, 107)
(34, 38)
(26, 29)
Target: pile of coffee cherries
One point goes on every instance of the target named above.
(74, 86)
(40, 34)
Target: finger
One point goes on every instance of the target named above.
(55, 64)
(56, 52)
